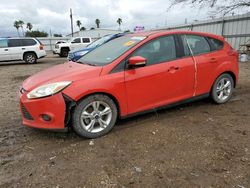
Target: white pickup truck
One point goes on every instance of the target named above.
(63, 49)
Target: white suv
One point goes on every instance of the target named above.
(63, 49)
(27, 49)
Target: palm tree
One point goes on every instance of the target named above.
(21, 23)
(82, 29)
(119, 21)
(97, 22)
(78, 23)
(29, 26)
(17, 26)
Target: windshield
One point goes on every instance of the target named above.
(99, 41)
(110, 51)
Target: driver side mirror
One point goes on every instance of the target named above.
(137, 61)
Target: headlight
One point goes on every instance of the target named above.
(81, 53)
(47, 90)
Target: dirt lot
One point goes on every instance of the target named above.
(194, 145)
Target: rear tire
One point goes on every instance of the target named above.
(30, 58)
(222, 89)
(64, 52)
(94, 116)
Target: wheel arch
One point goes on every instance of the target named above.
(103, 93)
(29, 52)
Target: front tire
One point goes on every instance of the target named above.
(94, 116)
(222, 89)
(30, 58)
(64, 52)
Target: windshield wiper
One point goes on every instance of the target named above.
(90, 64)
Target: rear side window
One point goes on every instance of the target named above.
(85, 40)
(27, 42)
(77, 40)
(14, 43)
(216, 44)
(3, 43)
(198, 44)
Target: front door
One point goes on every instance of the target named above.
(165, 79)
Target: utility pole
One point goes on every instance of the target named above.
(71, 21)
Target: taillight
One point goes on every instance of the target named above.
(41, 47)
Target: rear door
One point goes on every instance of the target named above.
(4, 50)
(205, 61)
(165, 79)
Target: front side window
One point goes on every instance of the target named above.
(110, 51)
(159, 50)
(3, 43)
(197, 44)
(76, 40)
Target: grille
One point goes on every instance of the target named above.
(26, 114)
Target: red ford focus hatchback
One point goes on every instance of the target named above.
(129, 75)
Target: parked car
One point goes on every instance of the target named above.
(63, 49)
(129, 75)
(77, 54)
(27, 49)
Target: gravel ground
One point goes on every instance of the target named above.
(194, 145)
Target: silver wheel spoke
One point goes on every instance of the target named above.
(96, 105)
(90, 126)
(227, 84)
(86, 115)
(102, 123)
(106, 111)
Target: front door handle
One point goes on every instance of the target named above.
(173, 69)
(6, 50)
(23, 48)
(213, 60)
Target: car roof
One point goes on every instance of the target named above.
(167, 32)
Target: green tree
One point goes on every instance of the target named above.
(82, 29)
(29, 26)
(97, 22)
(57, 35)
(21, 23)
(17, 26)
(78, 23)
(119, 21)
(36, 33)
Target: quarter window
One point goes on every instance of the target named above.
(216, 44)
(158, 50)
(27, 42)
(198, 44)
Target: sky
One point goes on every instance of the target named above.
(53, 15)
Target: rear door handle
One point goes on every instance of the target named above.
(6, 50)
(23, 48)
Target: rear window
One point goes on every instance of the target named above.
(216, 44)
(85, 40)
(28, 42)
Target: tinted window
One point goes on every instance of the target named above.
(27, 42)
(216, 44)
(198, 44)
(3, 43)
(85, 40)
(158, 50)
(14, 42)
(77, 40)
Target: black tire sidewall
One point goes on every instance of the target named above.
(64, 52)
(76, 116)
(27, 54)
(214, 88)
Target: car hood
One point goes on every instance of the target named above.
(69, 71)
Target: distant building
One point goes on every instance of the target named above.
(95, 33)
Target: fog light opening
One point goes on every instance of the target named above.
(46, 117)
